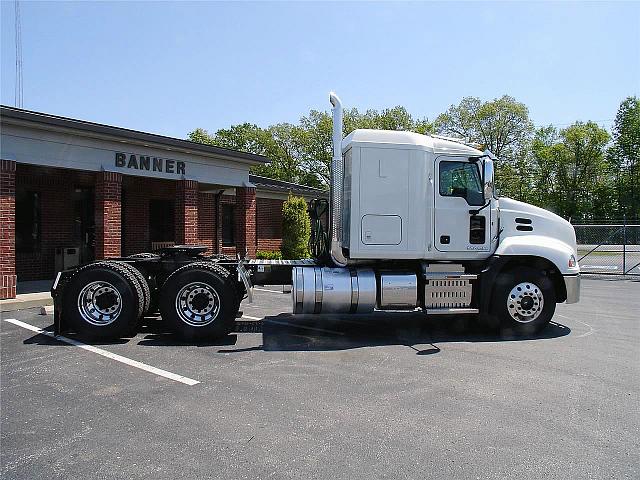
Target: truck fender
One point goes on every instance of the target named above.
(552, 249)
(529, 246)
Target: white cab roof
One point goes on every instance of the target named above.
(409, 139)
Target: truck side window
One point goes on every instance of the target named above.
(461, 179)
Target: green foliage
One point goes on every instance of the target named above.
(501, 125)
(624, 157)
(573, 171)
(318, 127)
(269, 255)
(302, 153)
(280, 143)
(571, 167)
(296, 228)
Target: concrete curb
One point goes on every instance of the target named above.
(26, 300)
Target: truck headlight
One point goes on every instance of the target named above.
(572, 261)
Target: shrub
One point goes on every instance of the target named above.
(296, 228)
(269, 255)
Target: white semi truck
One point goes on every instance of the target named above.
(415, 224)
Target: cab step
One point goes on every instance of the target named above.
(451, 311)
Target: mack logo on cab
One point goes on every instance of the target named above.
(151, 164)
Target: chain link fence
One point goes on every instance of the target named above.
(610, 249)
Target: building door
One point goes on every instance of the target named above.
(84, 225)
(161, 222)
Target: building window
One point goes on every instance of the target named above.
(27, 221)
(228, 225)
(161, 221)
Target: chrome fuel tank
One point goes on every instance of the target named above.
(398, 291)
(333, 290)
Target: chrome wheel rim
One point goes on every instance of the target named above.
(525, 302)
(197, 304)
(99, 303)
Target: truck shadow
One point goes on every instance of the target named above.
(286, 332)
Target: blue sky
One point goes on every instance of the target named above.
(171, 67)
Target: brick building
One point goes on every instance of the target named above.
(72, 191)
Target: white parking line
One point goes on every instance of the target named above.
(104, 353)
(586, 334)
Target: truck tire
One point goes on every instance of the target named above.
(142, 282)
(102, 301)
(524, 301)
(199, 301)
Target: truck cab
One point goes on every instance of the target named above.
(416, 224)
(413, 196)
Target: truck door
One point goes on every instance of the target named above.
(459, 190)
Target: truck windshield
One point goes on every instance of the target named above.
(461, 179)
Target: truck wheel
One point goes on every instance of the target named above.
(524, 301)
(142, 283)
(102, 301)
(199, 301)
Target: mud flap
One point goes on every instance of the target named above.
(56, 293)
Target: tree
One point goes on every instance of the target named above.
(296, 228)
(624, 156)
(503, 126)
(280, 143)
(302, 153)
(571, 170)
(318, 127)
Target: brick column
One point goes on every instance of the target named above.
(219, 223)
(245, 220)
(207, 221)
(7, 229)
(108, 214)
(187, 212)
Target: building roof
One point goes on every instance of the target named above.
(265, 183)
(48, 120)
(435, 144)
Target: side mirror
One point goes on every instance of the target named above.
(487, 177)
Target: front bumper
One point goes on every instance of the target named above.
(572, 284)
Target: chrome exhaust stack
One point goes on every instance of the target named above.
(337, 174)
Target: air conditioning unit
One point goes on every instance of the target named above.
(59, 259)
(71, 257)
(66, 257)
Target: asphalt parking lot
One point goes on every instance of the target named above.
(383, 396)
